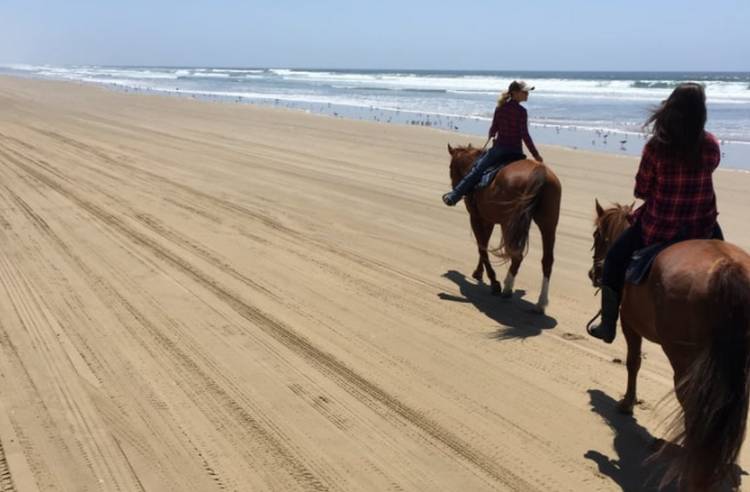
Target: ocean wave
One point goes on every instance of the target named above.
(356, 88)
(733, 89)
(388, 89)
(208, 75)
(654, 90)
(653, 84)
(427, 91)
(231, 70)
(579, 102)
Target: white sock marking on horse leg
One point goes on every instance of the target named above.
(508, 283)
(543, 295)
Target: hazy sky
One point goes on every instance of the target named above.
(471, 34)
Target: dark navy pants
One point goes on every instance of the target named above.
(620, 253)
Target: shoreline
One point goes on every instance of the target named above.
(735, 153)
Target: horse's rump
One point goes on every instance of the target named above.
(696, 304)
(679, 279)
(516, 192)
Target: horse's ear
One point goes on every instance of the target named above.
(450, 149)
(599, 209)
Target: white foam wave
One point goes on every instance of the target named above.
(215, 75)
(721, 92)
(726, 91)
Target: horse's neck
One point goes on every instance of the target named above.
(465, 168)
(462, 167)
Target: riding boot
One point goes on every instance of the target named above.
(464, 186)
(607, 329)
(473, 177)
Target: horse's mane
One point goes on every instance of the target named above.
(613, 220)
(465, 152)
(465, 148)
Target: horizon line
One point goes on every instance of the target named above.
(382, 69)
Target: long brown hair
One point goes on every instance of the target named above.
(677, 125)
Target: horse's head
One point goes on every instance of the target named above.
(462, 159)
(609, 224)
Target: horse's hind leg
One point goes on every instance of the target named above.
(482, 232)
(510, 277)
(547, 229)
(476, 227)
(633, 364)
(479, 270)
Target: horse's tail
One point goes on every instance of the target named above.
(715, 392)
(515, 239)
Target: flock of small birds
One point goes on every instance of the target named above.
(603, 138)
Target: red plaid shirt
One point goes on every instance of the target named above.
(510, 126)
(677, 198)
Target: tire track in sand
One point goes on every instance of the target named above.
(367, 391)
(152, 223)
(6, 480)
(195, 377)
(228, 206)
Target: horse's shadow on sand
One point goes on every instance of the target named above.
(632, 469)
(516, 315)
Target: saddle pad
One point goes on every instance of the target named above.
(492, 171)
(488, 176)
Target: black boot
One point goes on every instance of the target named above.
(607, 329)
(450, 199)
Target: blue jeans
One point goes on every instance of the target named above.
(486, 160)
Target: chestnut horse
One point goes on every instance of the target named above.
(521, 192)
(695, 303)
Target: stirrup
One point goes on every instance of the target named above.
(601, 336)
(591, 321)
(606, 338)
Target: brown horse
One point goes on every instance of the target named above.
(695, 303)
(521, 192)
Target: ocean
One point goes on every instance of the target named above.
(601, 111)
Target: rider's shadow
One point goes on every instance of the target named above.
(515, 314)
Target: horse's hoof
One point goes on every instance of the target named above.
(477, 276)
(625, 407)
(539, 309)
(496, 290)
(506, 294)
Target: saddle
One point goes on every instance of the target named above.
(492, 171)
(641, 261)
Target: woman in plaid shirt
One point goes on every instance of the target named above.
(509, 127)
(674, 180)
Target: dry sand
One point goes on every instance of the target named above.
(205, 296)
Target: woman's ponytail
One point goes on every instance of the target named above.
(504, 98)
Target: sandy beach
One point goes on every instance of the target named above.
(216, 296)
